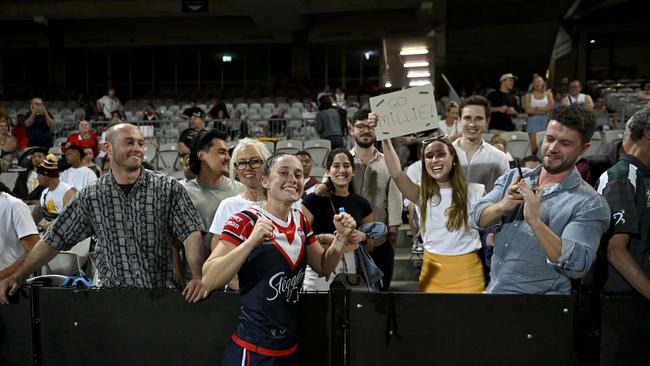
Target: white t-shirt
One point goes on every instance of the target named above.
(313, 282)
(449, 131)
(52, 201)
(109, 105)
(227, 208)
(16, 224)
(78, 178)
(439, 240)
(309, 115)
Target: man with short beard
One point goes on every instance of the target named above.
(135, 214)
(549, 222)
(372, 181)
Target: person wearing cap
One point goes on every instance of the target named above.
(197, 126)
(135, 214)
(191, 111)
(575, 97)
(56, 194)
(27, 186)
(77, 175)
(503, 104)
(209, 160)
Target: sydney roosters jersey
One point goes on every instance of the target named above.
(270, 278)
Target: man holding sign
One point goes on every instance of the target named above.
(372, 181)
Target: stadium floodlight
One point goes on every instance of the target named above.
(419, 82)
(416, 64)
(413, 51)
(418, 74)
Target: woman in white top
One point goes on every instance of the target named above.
(451, 261)
(248, 159)
(537, 104)
(450, 126)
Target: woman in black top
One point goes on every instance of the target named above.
(320, 211)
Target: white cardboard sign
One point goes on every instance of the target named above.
(405, 112)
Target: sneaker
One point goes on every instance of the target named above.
(418, 248)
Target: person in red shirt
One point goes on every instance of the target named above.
(20, 133)
(83, 138)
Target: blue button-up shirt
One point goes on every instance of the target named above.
(572, 209)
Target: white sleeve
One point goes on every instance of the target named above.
(23, 221)
(220, 217)
(90, 177)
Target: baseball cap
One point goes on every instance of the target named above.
(507, 76)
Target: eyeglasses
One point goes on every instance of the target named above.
(253, 163)
(368, 127)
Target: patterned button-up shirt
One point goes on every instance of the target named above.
(134, 232)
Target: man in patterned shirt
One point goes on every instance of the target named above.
(135, 214)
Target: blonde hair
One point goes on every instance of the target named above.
(457, 213)
(261, 149)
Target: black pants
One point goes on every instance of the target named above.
(384, 257)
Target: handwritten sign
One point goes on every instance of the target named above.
(405, 112)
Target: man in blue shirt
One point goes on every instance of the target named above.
(549, 222)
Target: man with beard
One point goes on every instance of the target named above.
(372, 181)
(549, 221)
(135, 214)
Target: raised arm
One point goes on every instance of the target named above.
(408, 188)
(324, 261)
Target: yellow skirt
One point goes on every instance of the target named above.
(452, 273)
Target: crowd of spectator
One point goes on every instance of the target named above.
(244, 217)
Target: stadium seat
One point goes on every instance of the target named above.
(597, 143)
(318, 149)
(317, 172)
(288, 146)
(518, 143)
(168, 157)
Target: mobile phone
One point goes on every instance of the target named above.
(521, 175)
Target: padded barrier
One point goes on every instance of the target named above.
(52, 326)
(625, 331)
(16, 331)
(406, 329)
